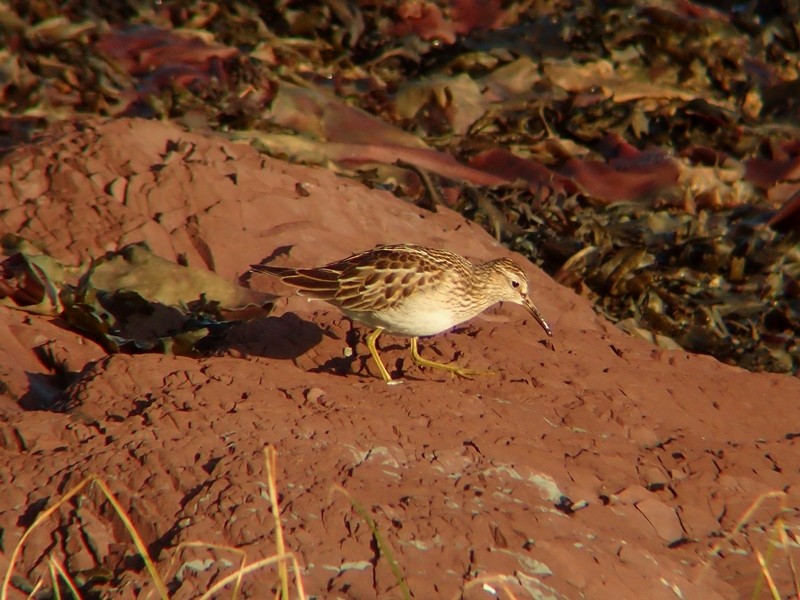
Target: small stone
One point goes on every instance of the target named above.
(644, 437)
(663, 519)
(314, 394)
(632, 495)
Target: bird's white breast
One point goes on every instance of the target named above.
(417, 315)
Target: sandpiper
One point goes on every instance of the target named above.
(411, 291)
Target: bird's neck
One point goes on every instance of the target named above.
(481, 283)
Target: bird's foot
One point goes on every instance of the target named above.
(454, 369)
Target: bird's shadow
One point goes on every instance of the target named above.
(287, 337)
(284, 338)
(343, 365)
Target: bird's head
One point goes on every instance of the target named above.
(509, 283)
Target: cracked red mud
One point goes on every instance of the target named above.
(599, 467)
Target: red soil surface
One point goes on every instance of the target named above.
(597, 467)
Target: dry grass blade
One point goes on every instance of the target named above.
(780, 538)
(137, 540)
(785, 543)
(57, 567)
(782, 542)
(35, 589)
(242, 554)
(768, 577)
(57, 571)
(754, 506)
(270, 456)
(384, 549)
(44, 515)
(54, 578)
(280, 559)
(764, 561)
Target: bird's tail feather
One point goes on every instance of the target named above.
(312, 283)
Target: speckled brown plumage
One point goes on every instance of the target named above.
(411, 290)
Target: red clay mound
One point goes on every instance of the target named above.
(600, 467)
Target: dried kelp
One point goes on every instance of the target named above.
(128, 301)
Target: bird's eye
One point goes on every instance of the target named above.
(514, 284)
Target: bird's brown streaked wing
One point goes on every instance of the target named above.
(383, 279)
(372, 280)
(360, 293)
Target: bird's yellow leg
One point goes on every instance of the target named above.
(461, 371)
(374, 353)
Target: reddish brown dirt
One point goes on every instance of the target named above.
(664, 451)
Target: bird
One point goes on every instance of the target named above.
(412, 291)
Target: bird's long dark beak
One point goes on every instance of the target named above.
(537, 315)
